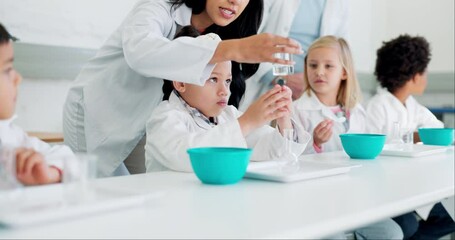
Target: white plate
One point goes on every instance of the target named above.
(271, 171)
(416, 150)
(40, 205)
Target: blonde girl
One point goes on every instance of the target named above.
(330, 106)
(331, 103)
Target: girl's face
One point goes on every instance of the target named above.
(212, 98)
(9, 80)
(224, 12)
(325, 72)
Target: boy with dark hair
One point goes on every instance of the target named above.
(401, 69)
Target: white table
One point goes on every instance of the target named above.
(186, 208)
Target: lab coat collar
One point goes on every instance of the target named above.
(7, 122)
(309, 102)
(182, 15)
(201, 120)
(409, 101)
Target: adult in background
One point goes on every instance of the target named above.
(304, 21)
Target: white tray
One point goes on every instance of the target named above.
(27, 207)
(416, 150)
(271, 171)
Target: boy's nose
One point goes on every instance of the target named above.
(18, 78)
(223, 90)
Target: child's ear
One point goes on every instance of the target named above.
(344, 76)
(416, 78)
(179, 86)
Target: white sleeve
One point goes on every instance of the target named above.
(54, 155)
(149, 52)
(268, 7)
(343, 27)
(427, 119)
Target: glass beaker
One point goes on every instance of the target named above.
(290, 160)
(10, 187)
(77, 173)
(282, 69)
(396, 140)
(407, 136)
(8, 180)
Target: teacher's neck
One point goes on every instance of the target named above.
(201, 21)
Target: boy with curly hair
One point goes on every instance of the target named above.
(401, 69)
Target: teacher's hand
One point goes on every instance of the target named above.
(255, 49)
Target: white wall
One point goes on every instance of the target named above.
(373, 22)
(72, 23)
(87, 24)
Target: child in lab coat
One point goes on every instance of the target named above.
(401, 69)
(197, 116)
(331, 106)
(331, 103)
(36, 161)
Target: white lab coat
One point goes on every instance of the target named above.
(277, 19)
(384, 109)
(12, 136)
(171, 130)
(309, 112)
(118, 89)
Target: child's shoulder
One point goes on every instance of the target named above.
(231, 111)
(11, 133)
(381, 97)
(167, 109)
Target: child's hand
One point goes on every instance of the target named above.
(265, 109)
(31, 169)
(322, 132)
(296, 83)
(285, 121)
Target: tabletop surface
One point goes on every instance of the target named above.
(180, 206)
(49, 137)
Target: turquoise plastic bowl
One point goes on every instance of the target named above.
(362, 145)
(436, 136)
(219, 165)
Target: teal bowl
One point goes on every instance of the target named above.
(436, 136)
(219, 165)
(362, 145)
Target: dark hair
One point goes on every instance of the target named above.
(187, 31)
(247, 24)
(400, 59)
(5, 37)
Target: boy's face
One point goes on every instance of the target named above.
(9, 80)
(212, 98)
(420, 83)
